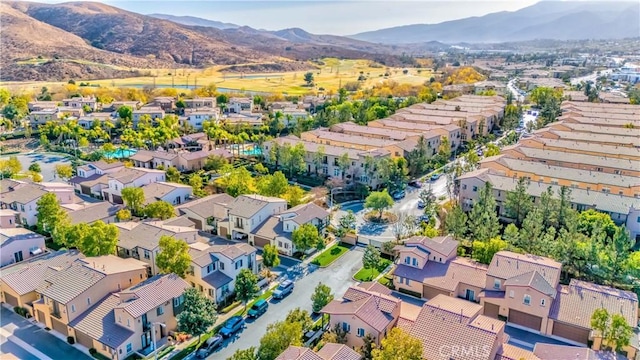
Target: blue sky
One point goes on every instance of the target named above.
(339, 17)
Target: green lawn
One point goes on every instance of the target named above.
(330, 255)
(265, 296)
(370, 274)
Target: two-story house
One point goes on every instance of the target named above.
(129, 177)
(237, 105)
(151, 111)
(247, 212)
(122, 323)
(18, 244)
(87, 213)
(428, 267)
(329, 351)
(8, 218)
(41, 117)
(196, 117)
(207, 212)
(141, 240)
(368, 309)
(166, 103)
(214, 268)
(278, 229)
(22, 197)
(68, 293)
(81, 102)
(172, 193)
(200, 102)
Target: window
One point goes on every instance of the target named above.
(414, 262)
(211, 292)
(120, 319)
(399, 280)
(543, 302)
(73, 308)
(209, 268)
(638, 219)
(475, 188)
(496, 284)
(159, 310)
(511, 294)
(238, 264)
(360, 332)
(128, 323)
(336, 172)
(527, 300)
(221, 266)
(407, 260)
(346, 327)
(88, 301)
(179, 300)
(129, 348)
(147, 254)
(406, 281)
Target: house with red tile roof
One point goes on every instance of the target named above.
(362, 311)
(329, 351)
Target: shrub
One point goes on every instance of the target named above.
(92, 351)
(71, 340)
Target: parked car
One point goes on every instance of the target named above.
(421, 204)
(434, 177)
(285, 288)
(415, 184)
(259, 308)
(232, 326)
(423, 218)
(207, 348)
(397, 195)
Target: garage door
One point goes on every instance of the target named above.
(40, 316)
(198, 223)
(117, 199)
(10, 299)
(260, 241)
(491, 310)
(222, 231)
(429, 293)
(571, 332)
(59, 326)
(84, 340)
(524, 319)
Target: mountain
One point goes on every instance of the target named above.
(195, 21)
(558, 20)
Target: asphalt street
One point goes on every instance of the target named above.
(24, 340)
(338, 277)
(47, 163)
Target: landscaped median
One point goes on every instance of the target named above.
(331, 254)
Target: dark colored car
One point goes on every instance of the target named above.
(259, 308)
(400, 194)
(207, 348)
(434, 177)
(415, 184)
(232, 326)
(285, 288)
(421, 204)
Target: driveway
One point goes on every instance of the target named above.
(24, 340)
(337, 277)
(47, 163)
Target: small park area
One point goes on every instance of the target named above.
(330, 255)
(372, 273)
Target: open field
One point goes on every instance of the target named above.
(329, 76)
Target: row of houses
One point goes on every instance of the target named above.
(592, 149)
(469, 302)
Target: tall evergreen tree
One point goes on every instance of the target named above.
(483, 218)
(518, 202)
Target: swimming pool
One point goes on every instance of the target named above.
(255, 151)
(120, 153)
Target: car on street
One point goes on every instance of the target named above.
(415, 184)
(285, 288)
(259, 308)
(397, 195)
(232, 326)
(434, 177)
(207, 348)
(421, 204)
(422, 218)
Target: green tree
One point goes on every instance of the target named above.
(279, 336)
(518, 202)
(123, 215)
(133, 199)
(245, 354)
(492, 150)
(173, 175)
(399, 345)
(511, 235)
(174, 256)
(321, 297)
(300, 316)
(50, 217)
(590, 221)
(429, 200)
(270, 257)
(275, 185)
(215, 163)
(237, 181)
(308, 78)
(456, 222)
(294, 195)
(616, 255)
(306, 237)
(10, 167)
(125, 112)
(379, 201)
(344, 163)
(347, 221)
(246, 286)
(531, 231)
(371, 258)
(613, 329)
(94, 239)
(198, 313)
(483, 219)
(197, 184)
(159, 210)
(335, 335)
(368, 345)
(318, 158)
(64, 171)
(483, 251)
(35, 167)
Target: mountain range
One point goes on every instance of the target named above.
(89, 40)
(557, 20)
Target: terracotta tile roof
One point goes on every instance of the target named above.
(534, 280)
(446, 276)
(374, 286)
(69, 283)
(438, 328)
(99, 322)
(510, 352)
(147, 235)
(506, 264)
(331, 351)
(554, 352)
(444, 245)
(373, 308)
(576, 303)
(409, 311)
(202, 254)
(27, 276)
(151, 293)
(298, 353)
(405, 324)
